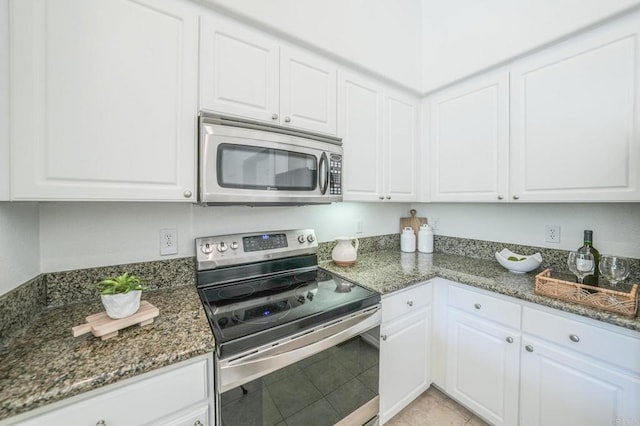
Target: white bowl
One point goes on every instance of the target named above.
(529, 263)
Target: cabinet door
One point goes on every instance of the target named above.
(575, 118)
(483, 367)
(238, 70)
(360, 127)
(405, 360)
(104, 99)
(470, 140)
(400, 142)
(308, 91)
(559, 387)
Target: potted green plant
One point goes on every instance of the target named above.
(121, 295)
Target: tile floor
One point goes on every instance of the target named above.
(433, 408)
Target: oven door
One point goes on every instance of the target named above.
(326, 376)
(240, 165)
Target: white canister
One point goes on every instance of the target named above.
(425, 239)
(408, 240)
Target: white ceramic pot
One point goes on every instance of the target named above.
(121, 305)
(345, 253)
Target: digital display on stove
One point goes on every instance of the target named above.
(264, 242)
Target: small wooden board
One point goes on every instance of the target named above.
(412, 222)
(104, 327)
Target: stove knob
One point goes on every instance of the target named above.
(301, 238)
(301, 299)
(234, 245)
(207, 248)
(222, 322)
(235, 319)
(222, 247)
(310, 238)
(310, 296)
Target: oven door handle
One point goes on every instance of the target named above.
(238, 371)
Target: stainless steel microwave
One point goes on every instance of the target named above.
(247, 162)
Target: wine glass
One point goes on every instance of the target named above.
(614, 268)
(581, 264)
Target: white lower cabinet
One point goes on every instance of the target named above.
(405, 349)
(178, 395)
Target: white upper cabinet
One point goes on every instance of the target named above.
(360, 126)
(103, 100)
(575, 118)
(470, 140)
(239, 70)
(247, 73)
(378, 127)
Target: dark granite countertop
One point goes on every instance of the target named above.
(46, 363)
(386, 271)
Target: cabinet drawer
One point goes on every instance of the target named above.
(615, 348)
(406, 301)
(488, 307)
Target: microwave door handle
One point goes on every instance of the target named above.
(323, 172)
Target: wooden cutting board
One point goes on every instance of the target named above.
(104, 327)
(412, 222)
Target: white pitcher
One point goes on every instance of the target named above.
(344, 253)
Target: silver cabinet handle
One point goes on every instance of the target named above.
(381, 198)
(274, 116)
(101, 423)
(187, 194)
(197, 423)
(516, 197)
(574, 338)
(509, 339)
(529, 348)
(500, 197)
(388, 197)
(477, 306)
(287, 119)
(410, 302)
(383, 337)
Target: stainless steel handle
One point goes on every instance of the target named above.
(381, 198)
(240, 370)
(516, 197)
(287, 119)
(323, 173)
(477, 306)
(410, 303)
(383, 337)
(529, 348)
(197, 423)
(509, 339)
(274, 116)
(101, 423)
(187, 194)
(500, 197)
(574, 338)
(388, 197)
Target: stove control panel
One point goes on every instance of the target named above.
(234, 249)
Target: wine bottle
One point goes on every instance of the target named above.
(588, 247)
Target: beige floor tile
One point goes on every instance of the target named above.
(476, 421)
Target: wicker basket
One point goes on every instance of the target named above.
(596, 297)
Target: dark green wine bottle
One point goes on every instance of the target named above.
(588, 247)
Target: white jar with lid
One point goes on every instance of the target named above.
(408, 240)
(425, 239)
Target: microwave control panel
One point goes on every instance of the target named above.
(335, 174)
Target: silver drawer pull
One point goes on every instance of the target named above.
(410, 302)
(477, 306)
(574, 338)
(197, 423)
(383, 337)
(509, 339)
(529, 348)
(274, 116)
(101, 423)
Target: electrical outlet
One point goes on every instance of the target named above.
(552, 233)
(168, 241)
(434, 223)
(359, 227)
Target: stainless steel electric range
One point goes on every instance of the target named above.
(294, 343)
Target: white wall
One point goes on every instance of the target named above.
(381, 35)
(80, 235)
(616, 227)
(4, 99)
(19, 244)
(462, 37)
